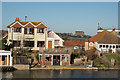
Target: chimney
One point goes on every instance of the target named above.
(113, 29)
(98, 26)
(17, 19)
(25, 18)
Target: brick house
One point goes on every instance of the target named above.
(55, 58)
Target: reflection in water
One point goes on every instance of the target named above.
(7, 75)
(60, 74)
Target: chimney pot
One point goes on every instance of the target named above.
(17, 19)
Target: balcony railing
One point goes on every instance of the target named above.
(28, 36)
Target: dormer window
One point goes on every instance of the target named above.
(40, 30)
(16, 29)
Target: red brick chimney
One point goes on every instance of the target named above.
(17, 19)
(113, 29)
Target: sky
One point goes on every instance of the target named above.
(63, 16)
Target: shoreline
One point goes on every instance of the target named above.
(73, 69)
(58, 68)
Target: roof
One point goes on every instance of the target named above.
(105, 37)
(74, 43)
(25, 22)
(54, 35)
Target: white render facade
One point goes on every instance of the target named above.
(58, 42)
(31, 35)
(102, 47)
(107, 47)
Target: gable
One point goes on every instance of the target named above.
(42, 26)
(16, 25)
(29, 25)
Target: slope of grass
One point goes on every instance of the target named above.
(98, 62)
(116, 57)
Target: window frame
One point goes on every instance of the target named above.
(40, 30)
(17, 29)
(28, 30)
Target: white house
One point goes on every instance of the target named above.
(104, 41)
(32, 35)
(55, 39)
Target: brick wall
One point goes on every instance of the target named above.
(65, 63)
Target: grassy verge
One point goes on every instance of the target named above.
(116, 57)
(99, 63)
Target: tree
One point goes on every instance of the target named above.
(3, 44)
(91, 54)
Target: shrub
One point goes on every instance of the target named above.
(37, 57)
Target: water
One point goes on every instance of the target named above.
(60, 74)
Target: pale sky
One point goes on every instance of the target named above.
(64, 16)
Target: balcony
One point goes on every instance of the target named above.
(28, 36)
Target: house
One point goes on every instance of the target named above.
(5, 58)
(32, 35)
(29, 34)
(55, 58)
(100, 29)
(74, 44)
(79, 33)
(116, 30)
(57, 41)
(104, 41)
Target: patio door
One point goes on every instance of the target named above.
(56, 59)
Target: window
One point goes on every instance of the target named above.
(103, 46)
(28, 43)
(28, 30)
(16, 29)
(119, 33)
(56, 42)
(100, 46)
(48, 58)
(16, 43)
(64, 58)
(116, 46)
(40, 30)
(110, 46)
(106, 46)
(113, 46)
(40, 43)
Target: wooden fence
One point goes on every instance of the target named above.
(21, 60)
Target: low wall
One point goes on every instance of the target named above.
(47, 63)
(21, 67)
(65, 63)
(77, 61)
